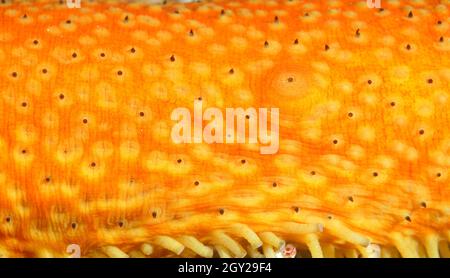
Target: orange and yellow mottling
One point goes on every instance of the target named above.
(86, 156)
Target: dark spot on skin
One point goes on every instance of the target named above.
(408, 47)
(421, 132)
(247, 117)
(381, 10)
(313, 173)
(439, 22)
(8, 219)
(74, 225)
(14, 74)
(196, 183)
(438, 175)
(126, 18)
(35, 42)
(44, 71)
(392, 104)
(350, 114)
(327, 47)
(290, 79)
(410, 15)
(61, 96)
(132, 50)
(24, 16)
(266, 44)
(276, 20)
(141, 114)
(330, 217)
(85, 121)
(179, 160)
(120, 223)
(93, 164)
(430, 81)
(274, 184)
(172, 58)
(296, 209)
(119, 72)
(24, 104)
(243, 161)
(176, 11)
(231, 71)
(199, 98)
(296, 41)
(68, 21)
(408, 218)
(24, 151)
(191, 33)
(375, 174)
(102, 55)
(221, 211)
(369, 82)
(350, 199)
(335, 141)
(306, 14)
(47, 179)
(222, 12)
(358, 33)
(423, 204)
(441, 39)
(154, 214)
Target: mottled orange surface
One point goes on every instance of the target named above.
(86, 156)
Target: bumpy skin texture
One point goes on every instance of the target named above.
(86, 156)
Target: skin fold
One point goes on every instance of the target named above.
(87, 163)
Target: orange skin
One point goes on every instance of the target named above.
(85, 151)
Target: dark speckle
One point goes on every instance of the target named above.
(408, 218)
(350, 199)
(410, 15)
(73, 225)
(93, 164)
(243, 161)
(196, 183)
(231, 71)
(221, 211)
(423, 204)
(179, 160)
(421, 132)
(154, 214)
(274, 184)
(172, 58)
(296, 209)
(375, 174)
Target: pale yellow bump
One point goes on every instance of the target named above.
(11, 12)
(424, 107)
(99, 17)
(239, 43)
(400, 119)
(386, 162)
(84, 19)
(261, 13)
(321, 81)
(26, 134)
(244, 96)
(148, 20)
(87, 40)
(441, 8)
(54, 30)
(89, 73)
(441, 97)
(411, 154)
(217, 49)
(164, 35)
(178, 28)
(50, 119)
(344, 56)
(322, 67)
(140, 35)
(356, 152)
(254, 33)
(366, 133)
(33, 86)
(369, 98)
(106, 95)
(345, 86)
(260, 66)
(103, 149)
(129, 150)
(383, 53)
(101, 32)
(44, 18)
(238, 28)
(350, 14)
(151, 70)
(201, 69)
(400, 72)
